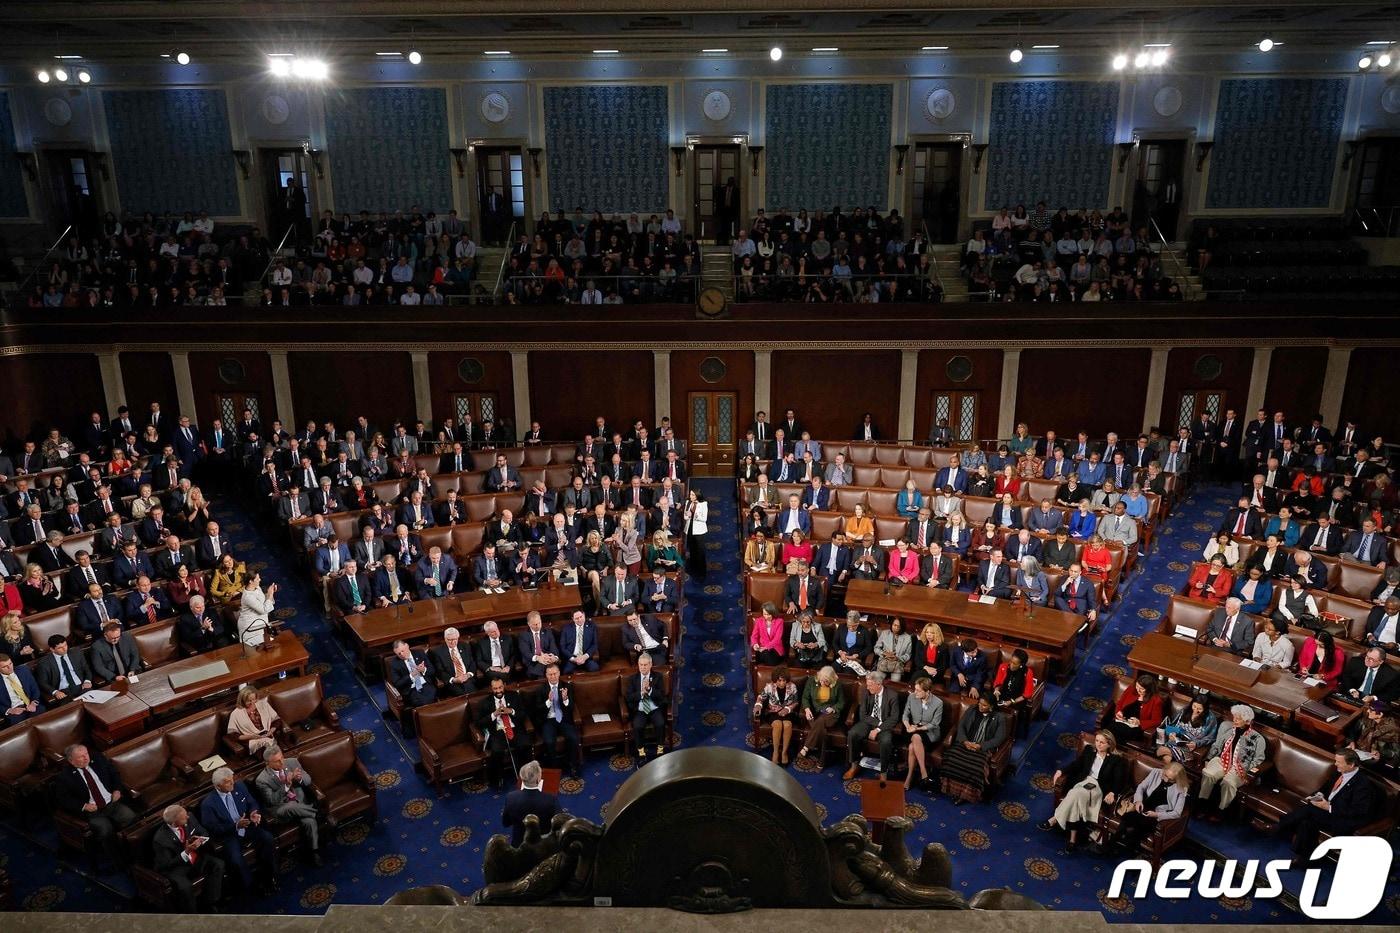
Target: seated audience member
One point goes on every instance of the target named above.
(854, 646)
(823, 708)
(232, 817)
(1224, 546)
(877, 719)
(1383, 625)
(1138, 712)
(776, 707)
(1320, 658)
(90, 789)
(1253, 591)
(536, 646)
(1059, 552)
(288, 796)
(407, 672)
(114, 657)
(645, 699)
(1178, 738)
(766, 636)
(529, 800)
(1376, 735)
(1210, 582)
(1229, 628)
(436, 574)
(1272, 647)
(1297, 607)
(1094, 779)
(645, 634)
(1233, 758)
(966, 770)
(1159, 797)
(1367, 677)
(894, 649)
(254, 722)
(807, 646)
(495, 655)
(453, 665)
(1014, 683)
(1338, 808)
(182, 860)
(500, 718)
(968, 668)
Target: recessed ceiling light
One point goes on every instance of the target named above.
(776, 53)
(60, 74)
(1017, 55)
(1045, 46)
(1380, 42)
(84, 76)
(183, 58)
(1120, 61)
(1159, 57)
(415, 57)
(1156, 45)
(605, 51)
(388, 54)
(1266, 44)
(279, 65)
(1383, 60)
(43, 77)
(1142, 60)
(934, 48)
(714, 51)
(826, 48)
(496, 52)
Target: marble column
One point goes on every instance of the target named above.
(1010, 381)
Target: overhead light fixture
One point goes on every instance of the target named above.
(1017, 55)
(1381, 42)
(388, 55)
(68, 58)
(496, 52)
(934, 48)
(415, 57)
(84, 76)
(713, 51)
(1383, 60)
(1045, 46)
(1159, 57)
(1266, 44)
(605, 51)
(1120, 61)
(1364, 63)
(279, 66)
(1156, 45)
(826, 48)
(1142, 60)
(776, 53)
(60, 75)
(43, 76)
(182, 57)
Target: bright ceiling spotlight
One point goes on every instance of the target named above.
(1141, 60)
(43, 77)
(60, 74)
(183, 57)
(1120, 61)
(84, 76)
(279, 66)
(415, 57)
(1159, 57)
(1266, 44)
(1383, 60)
(1017, 55)
(1364, 63)
(776, 53)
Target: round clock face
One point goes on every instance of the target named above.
(717, 106)
(276, 109)
(495, 107)
(712, 301)
(940, 103)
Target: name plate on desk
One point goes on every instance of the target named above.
(181, 679)
(1227, 669)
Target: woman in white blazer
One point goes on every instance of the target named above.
(254, 610)
(697, 511)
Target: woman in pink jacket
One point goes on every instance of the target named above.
(767, 636)
(904, 563)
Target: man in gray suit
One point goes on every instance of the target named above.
(878, 719)
(839, 472)
(403, 441)
(368, 550)
(114, 657)
(285, 791)
(1230, 628)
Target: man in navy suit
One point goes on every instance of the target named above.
(1340, 807)
(436, 574)
(816, 495)
(952, 475)
(530, 800)
(1045, 518)
(832, 562)
(491, 569)
(1076, 594)
(187, 443)
(141, 602)
(332, 557)
(994, 577)
(96, 609)
(1241, 521)
(794, 517)
(969, 668)
(1367, 545)
(578, 644)
(555, 715)
(232, 817)
(536, 646)
(19, 692)
(659, 593)
(1321, 537)
(351, 591)
(1024, 544)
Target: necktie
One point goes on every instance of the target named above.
(355, 590)
(496, 653)
(415, 678)
(70, 676)
(17, 691)
(1365, 548)
(506, 726)
(556, 712)
(459, 670)
(1239, 525)
(1229, 628)
(150, 616)
(537, 644)
(1369, 682)
(437, 580)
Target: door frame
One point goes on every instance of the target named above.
(1190, 178)
(259, 181)
(718, 459)
(740, 144)
(96, 161)
(965, 207)
(472, 187)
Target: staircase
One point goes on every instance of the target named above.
(717, 270)
(1174, 265)
(488, 267)
(948, 257)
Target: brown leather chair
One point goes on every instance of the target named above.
(438, 536)
(196, 738)
(882, 502)
(846, 498)
(301, 705)
(388, 490)
(152, 887)
(977, 509)
(826, 524)
(515, 501)
(1356, 580)
(562, 454)
(480, 507)
(864, 473)
(765, 588)
(21, 762)
(146, 766)
(466, 542)
(537, 456)
(1298, 769)
(856, 452)
(42, 625)
(598, 694)
(57, 729)
(471, 484)
(445, 741)
(1033, 490)
(919, 457)
(156, 642)
(529, 474)
(346, 525)
(612, 657)
(923, 477)
(558, 476)
(894, 477)
(889, 528)
(1169, 833)
(1192, 613)
(888, 454)
(344, 787)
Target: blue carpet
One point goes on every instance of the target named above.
(420, 839)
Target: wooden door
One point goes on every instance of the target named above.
(958, 410)
(72, 195)
(287, 193)
(500, 184)
(1157, 194)
(229, 406)
(714, 166)
(1193, 402)
(937, 190)
(713, 433)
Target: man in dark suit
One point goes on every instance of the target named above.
(436, 574)
(1257, 442)
(936, 569)
(922, 530)
(181, 857)
(578, 644)
(1024, 544)
(659, 593)
(832, 561)
(351, 592)
(407, 671)
(457, 461)
(84, 573)
(96, 609)
(211, 546)
(1367, 677)
(645, 699)
(49, 554)
(529, 800)
(19, 692)
(492, 570)
(555, 717)
(61, 674)
(89, 788)
(453, 664)
(1241, 521)
(146, 603)
(619, 592)
(391, 584)
(1076, 594)
(1367, 545)
(644, 634)
(1340, 807)
(500, 716)
(952, 475)
(1383, 623)
(1313, 572)
(1227, 446)
(994, 576)
(171, 556)
(200, 630)
(868, 561)
(1321, 537)
(232, 817)
(495, 655)
(115, 656)
(33, 528)
(536, 646)
(501, 478)
(1230, 628)
(877, 718)
(804, 590)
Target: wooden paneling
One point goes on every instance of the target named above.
(685, 378)
(985, 381)
(48, 390)
(1295, 382)
(1094, 390)
(569, 390)
(209, 385)
(1370, 396)
(147, 378)
(343, 386)
(496, 377)
(1236, 363)
(832, 390)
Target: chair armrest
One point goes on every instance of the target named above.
(331, 717)
(476, 736)
(428, 753)
(184, 767)
(363, 773)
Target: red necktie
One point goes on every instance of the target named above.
(1239, 525)
(151, 614)
(97, 793)
(193, 856)
(802, 595)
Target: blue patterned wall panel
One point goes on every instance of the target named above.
(827, 144)
(1051, 141)
(608, 147)
(172, 150)
(1275, 142)
(13, 203)
(389, 149)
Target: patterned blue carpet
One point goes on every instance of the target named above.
(420, 839)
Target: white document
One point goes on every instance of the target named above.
(987, 600)
(99, 696)
(601, 717)
(1185, 631)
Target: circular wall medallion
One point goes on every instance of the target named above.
(470, 370)
(1390, 99)
(275, 109)
(231, 371)
(940, 104)
(495, 107)
(58, 111)
(1208, 368)
(1167, 101)
(713, 369)
(959, 369)
(717, 106)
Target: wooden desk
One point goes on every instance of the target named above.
(124, 716)
(1049, 630)
(1274, 691)
(373, 632)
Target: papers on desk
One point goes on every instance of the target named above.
(494, 590)
(1185, 631)
(601, 717)
(987, 600)
(213, 762)
(886, 542)
(132, 679)
(1252, 664)
(1314, 682)
(99, 696)
(568, 580)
